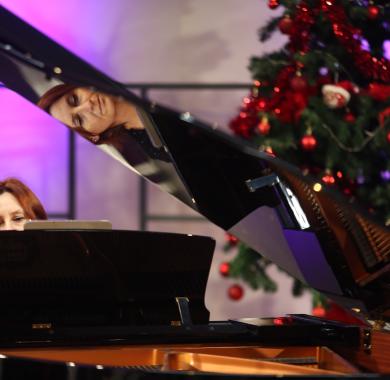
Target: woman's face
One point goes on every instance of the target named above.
(92, 111)
(11, 213)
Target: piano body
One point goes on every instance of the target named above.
(113, 305)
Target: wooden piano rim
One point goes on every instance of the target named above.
(194, 358)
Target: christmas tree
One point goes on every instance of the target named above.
(322, 102)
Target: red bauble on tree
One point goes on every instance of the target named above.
(383, 116)
(273, 3)
(388, 137)
(319, 311)
(285, 24)
(372, 12)
(349, 117)
(378, 91)
(231, 239)
(308, 142)
(235, 292)
(298, 83)
(328, 178)
(264, 127)
(224, 269)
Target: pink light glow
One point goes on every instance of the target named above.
(33, 146)
(386, 49)
(75, 24)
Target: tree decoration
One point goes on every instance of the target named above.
(224, 269)
(360, 179)
(333, 75)
(349, 117)
(269, 151)
(319, 311)
(368, 65)
(273, 4)
(286, 24)
(231, 239)
(235, 292)
(264, 126)
(328, 178)
(308, 142)
(372, 12)
(304, 19)
(335, 96)
(378, 91)
(384, 116)
(385, 175)
(298, 83)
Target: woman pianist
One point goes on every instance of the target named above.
(17, 205)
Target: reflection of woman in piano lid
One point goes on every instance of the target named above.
(99, 117)
(17, 205)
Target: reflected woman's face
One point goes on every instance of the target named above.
(11, 213)
(92, 111)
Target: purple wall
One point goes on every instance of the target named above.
(33, 147)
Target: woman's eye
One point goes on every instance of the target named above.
(78, 120)
(19, 218)
(73, 100)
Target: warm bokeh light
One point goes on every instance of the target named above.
(317, 187)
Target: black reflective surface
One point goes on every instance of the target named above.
(293, 331)
(99, 278)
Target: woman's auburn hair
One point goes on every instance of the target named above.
(29, 202)
(52, 95)
(55, 93)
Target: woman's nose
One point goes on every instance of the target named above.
(88, 105)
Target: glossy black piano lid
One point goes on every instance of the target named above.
(31, 64)
(236, 187)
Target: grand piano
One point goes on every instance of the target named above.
(108, 304)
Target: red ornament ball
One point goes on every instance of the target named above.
(318, 311)
(350, 117)
(328, 179)
(224, 269)
(380, 92)
(298, 83)
(231, 239)
(347, 191)
(235, 292)
(273, 4)
(373, 12)
(388, 137)
(285, 24)
(264, 127)
(308, 142)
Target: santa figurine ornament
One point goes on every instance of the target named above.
(338, 95)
